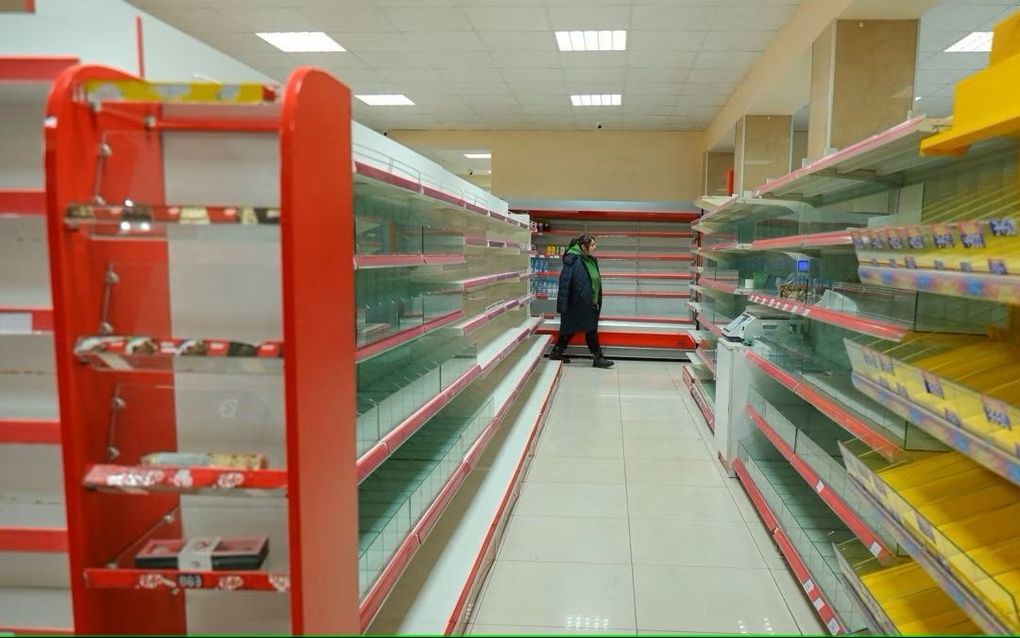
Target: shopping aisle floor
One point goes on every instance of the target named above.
(625, 523)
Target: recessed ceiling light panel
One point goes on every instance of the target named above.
(385, 100)
(603, 99)
(478, 155)
(302, 41)
(976, 42)
(591, 40)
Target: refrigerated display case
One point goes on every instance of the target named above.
(242, 272)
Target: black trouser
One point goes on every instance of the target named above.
(591, 337)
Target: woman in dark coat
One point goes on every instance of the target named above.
(579, 301)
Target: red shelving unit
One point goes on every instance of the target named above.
(29, 427)
(873, 326)
(819, 600)
(842, 416)
(311, 119)
(846, 514)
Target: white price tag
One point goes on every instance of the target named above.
(818, 603)
(808, 585)
(875, 548)
(819, 486)
(834, 627)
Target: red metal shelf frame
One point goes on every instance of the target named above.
(811, 240)
(653, 295)
(707, 410)
(22, 201)
(644, 319)
(404, 261)
(30, 431)
(837, 413)
(39, 68)
(875, 545)
(487, 316)
(632, 338)
(818, 598)
(41, 540)
(611, 256)
(375, 597)
(41, 319)
(857, 323)
(706, 360)
(388, 343)
(621, 233)
(626, 275)
(316, 212)
(616, 215)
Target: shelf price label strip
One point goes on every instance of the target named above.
(18, 320)
(986, 454)
(851, 423)
(1000, 288)
(871, 540)
(184, 480)
(175, 580)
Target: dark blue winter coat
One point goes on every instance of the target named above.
(579, 312)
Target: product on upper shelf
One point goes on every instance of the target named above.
(205, 553)
(242, 461)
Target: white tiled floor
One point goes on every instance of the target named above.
(626, 523)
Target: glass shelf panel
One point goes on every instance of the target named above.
(393, 499)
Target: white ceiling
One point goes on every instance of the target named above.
(493, 64)
(941, 26)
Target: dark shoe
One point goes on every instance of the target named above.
(557, 355)
(602, 362)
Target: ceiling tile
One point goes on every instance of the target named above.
(652, 88)
(347, 19)
(751, 17)
(522, 59)
(666, 40)
(427, 19)
(598, 60)
(265, 20)
(739, 40)
(594, 76)
(583, 18)
(658, 74)
(672, 18)
(543, 76)
(708, 88)
(727, 59)
(508, 18)
(444, 41)
(686, 100)
(662, 59)
(385, 60)
(536, 41)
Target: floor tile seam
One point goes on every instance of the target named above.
(563, 562)
(630, 531)
(786, 602)
(608, 630)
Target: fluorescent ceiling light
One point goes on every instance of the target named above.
(302, 41)
(385, 100)
(591, 40)
(478, 155)
(605, 99)
(976, 42)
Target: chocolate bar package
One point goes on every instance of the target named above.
(204, 553)
(237, 461)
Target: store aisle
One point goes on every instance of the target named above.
(626, 525)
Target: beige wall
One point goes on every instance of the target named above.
(612, 165)
(763, 149)
(799, 151)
